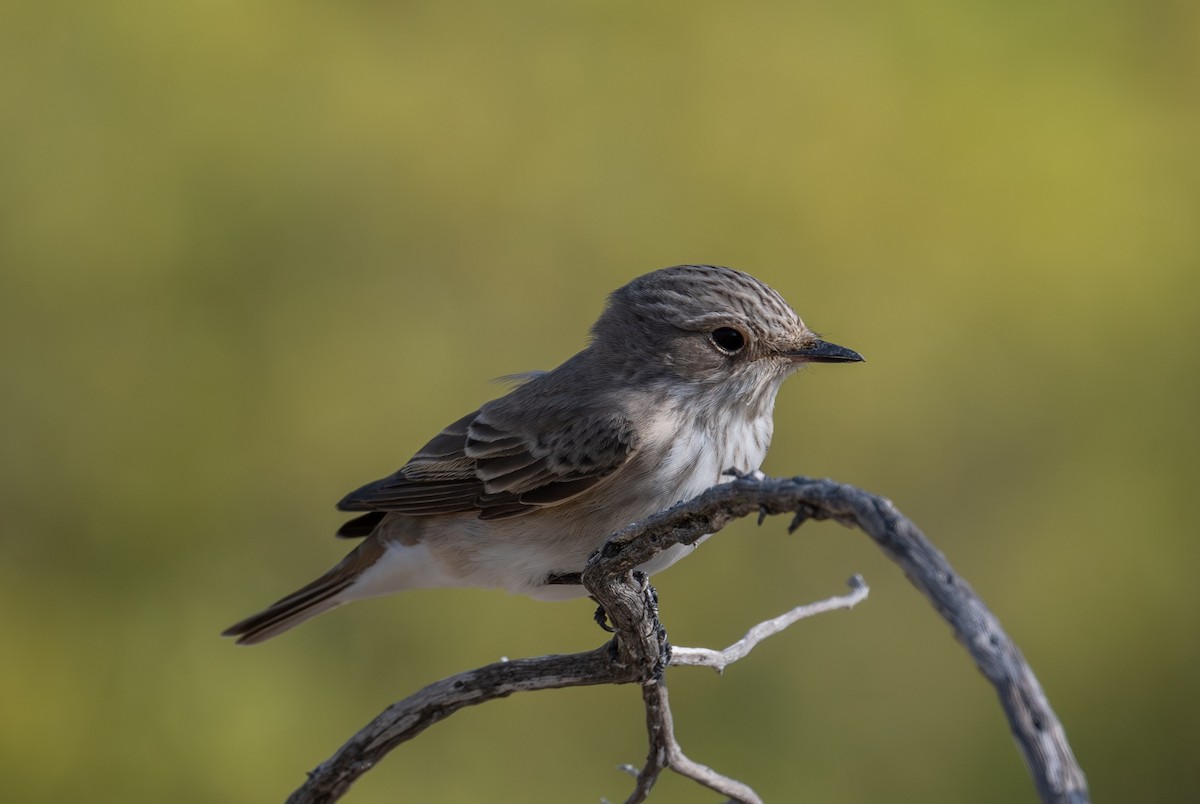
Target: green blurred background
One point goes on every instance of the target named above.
(253, 254)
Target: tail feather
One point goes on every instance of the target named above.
(318, 597)
(285, 615)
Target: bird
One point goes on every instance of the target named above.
(673, 393)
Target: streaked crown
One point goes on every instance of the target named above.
(695, 297)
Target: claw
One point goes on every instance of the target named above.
(763, 513)
(601, 618)
(802, 516)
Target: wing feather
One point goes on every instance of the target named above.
(502, 466)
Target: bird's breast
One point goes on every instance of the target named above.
(697, 450)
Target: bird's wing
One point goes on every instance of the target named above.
(501, 466)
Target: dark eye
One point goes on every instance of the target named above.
(728, 339)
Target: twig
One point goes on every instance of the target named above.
(665, 752)
(720, 659)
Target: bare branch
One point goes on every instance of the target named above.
(1037, 731)
(665, 752)
(639, 651)
(405, 719)
(720, 659)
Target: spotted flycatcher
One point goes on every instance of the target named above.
(674, 390)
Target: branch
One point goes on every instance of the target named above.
(665, 752)
(405, 719)
(639, 652)
(720, 659)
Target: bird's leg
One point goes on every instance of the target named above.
(664, 647)
(576, 579)
(643, 580)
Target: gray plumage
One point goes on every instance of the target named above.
(675, 387)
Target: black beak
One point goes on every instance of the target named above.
(819, 351)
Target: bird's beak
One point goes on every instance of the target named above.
(819, 351)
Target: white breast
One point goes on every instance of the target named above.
(696, 459)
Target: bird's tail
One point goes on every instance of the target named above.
(325, 593)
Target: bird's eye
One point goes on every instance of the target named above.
(728, 340)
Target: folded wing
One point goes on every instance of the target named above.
(500, 466)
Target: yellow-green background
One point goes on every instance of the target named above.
(253, 254)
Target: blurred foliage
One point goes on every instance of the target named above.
(253, 254)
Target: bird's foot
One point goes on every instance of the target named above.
(601, 618)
